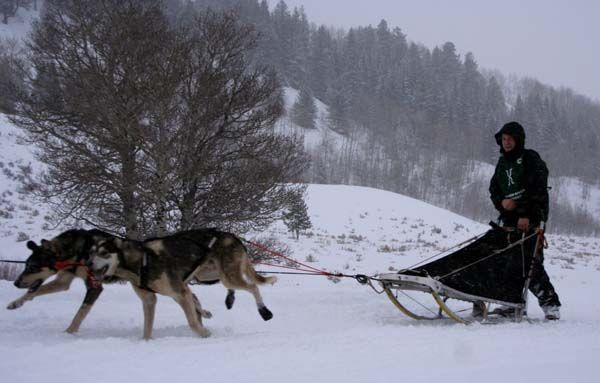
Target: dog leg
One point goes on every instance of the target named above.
(246, 269)
(186, 301)
(62, 282)
(252, 275)
(149, 304)
(264, 312)
(90, 297)
(237, 282)
(202, 313)
(230, 299)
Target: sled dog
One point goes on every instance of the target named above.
(166, 265)
(64, 256)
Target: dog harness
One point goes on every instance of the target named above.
(91, 280)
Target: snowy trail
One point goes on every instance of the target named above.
(321, 332)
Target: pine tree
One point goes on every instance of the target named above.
(495, 116)
(304, 111)
(296, 216)
(320, 67)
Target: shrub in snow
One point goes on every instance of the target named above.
(385, 249)
(22, 237)
(7, 172)
(356, 238)
(334, 279)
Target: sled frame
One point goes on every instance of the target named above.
(440, 293)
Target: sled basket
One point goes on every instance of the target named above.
(492, 269)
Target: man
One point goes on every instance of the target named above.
(519, 191)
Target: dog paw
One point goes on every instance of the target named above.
(71, 330)
(206, 314)
(15, 304)
(203, 332)
(229, 300)
(265, 313)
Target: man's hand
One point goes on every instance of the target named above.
(523, 224)
(509, 204)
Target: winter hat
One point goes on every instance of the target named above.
(513, 129)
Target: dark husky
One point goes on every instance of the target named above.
(64, 256)
(166, 266)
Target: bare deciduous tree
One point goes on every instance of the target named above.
(13, 64)
(148, 128)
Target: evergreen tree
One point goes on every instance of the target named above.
(495, 116)
(519, 112)
(304, 111)
(320, 66)
(296, 216)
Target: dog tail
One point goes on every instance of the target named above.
(254, 276)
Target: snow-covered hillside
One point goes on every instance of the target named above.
(20, 214)
(567, 192)
(312, 137)
(322, 331)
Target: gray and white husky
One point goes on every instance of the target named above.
(166, 265)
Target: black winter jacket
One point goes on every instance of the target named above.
(523, 177)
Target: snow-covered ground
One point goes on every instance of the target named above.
(322, 331)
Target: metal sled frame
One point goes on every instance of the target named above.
(441, 293)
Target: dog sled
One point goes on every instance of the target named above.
(494, 268)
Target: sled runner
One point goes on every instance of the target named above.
(493, 269)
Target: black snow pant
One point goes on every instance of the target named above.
(540, 284)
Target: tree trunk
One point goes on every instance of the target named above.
(128, 195)
(161, 199)
(187, 208)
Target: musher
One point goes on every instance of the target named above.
(519, 191)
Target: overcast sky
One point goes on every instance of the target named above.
(555, 41)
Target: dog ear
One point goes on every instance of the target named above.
(32, 245)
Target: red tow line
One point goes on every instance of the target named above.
(306, 267)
